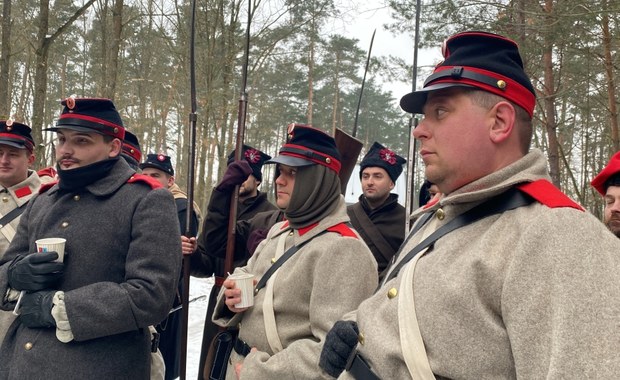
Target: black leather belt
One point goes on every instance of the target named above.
(358, 368)
(241, 347)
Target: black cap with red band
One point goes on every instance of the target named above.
(307, 145)
(482, 60)
(131, 147)
(16, 135)
(90, 115)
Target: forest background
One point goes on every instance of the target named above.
(136, 52)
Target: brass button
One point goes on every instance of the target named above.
(28, 346)
(501, 84)
(5, 199)
(361, 338)
(76, 198)
(392, 293)
(328, 160)
(291, 233)
(273, 260)
(64, 224)
(441, 214)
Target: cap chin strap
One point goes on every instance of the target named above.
(460, 72)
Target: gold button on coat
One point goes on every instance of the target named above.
(361, 338)
(273, 260)
(64, 224)
(28, 346)
(441, 214)
(5, 199)
(392, 293)
(76, 198)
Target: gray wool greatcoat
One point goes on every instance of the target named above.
(532, 293)
(122, 263)
(327, 278)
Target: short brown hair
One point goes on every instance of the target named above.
(523, 120)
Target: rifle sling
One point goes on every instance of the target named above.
(373, 232)
(287, 255)
(8, 218)
(508, 200)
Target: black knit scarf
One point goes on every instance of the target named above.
(78, 178)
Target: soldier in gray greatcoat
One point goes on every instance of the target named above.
(88, 318)
(18, 185)
(281, 336)
(503, 276)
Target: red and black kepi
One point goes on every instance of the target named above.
(307, 145)
(158, 161)
(90, 115)
(16, 135)
(481, 60)
(131, 146)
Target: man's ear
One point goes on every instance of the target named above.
(115, 148)
(504, 115)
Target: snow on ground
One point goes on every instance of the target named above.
(197, 312)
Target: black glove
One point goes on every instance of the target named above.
(34, 272)
(36, 309)
(339, 343)
(236, 174)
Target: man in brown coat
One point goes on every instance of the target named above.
(607, 183)
(377, 216)
(209, 255)
(280, 337)
(504, 276)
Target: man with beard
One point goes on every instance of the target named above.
(377, 216)
(209, 255)
(88, 318)
(18, 185)
(607, 183)
(329, 274)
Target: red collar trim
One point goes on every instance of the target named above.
(546, 193)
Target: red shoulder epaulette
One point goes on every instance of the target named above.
(146, 179)
(546, 193)
(47, 172)
(343, 229)
(46, 186)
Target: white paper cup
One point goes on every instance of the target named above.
(52, 244)
(245, 282)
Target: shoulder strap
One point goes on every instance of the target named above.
(373, 232)
(287, 255)
(508, 200)
(17, 211)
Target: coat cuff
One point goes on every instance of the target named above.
(59, 312)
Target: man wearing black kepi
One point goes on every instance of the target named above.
(88, 318)
(503, 276)
(18, 185)
(159, 167)
(208, 260)
(323, 269)
(131, 150)
(377, 216)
